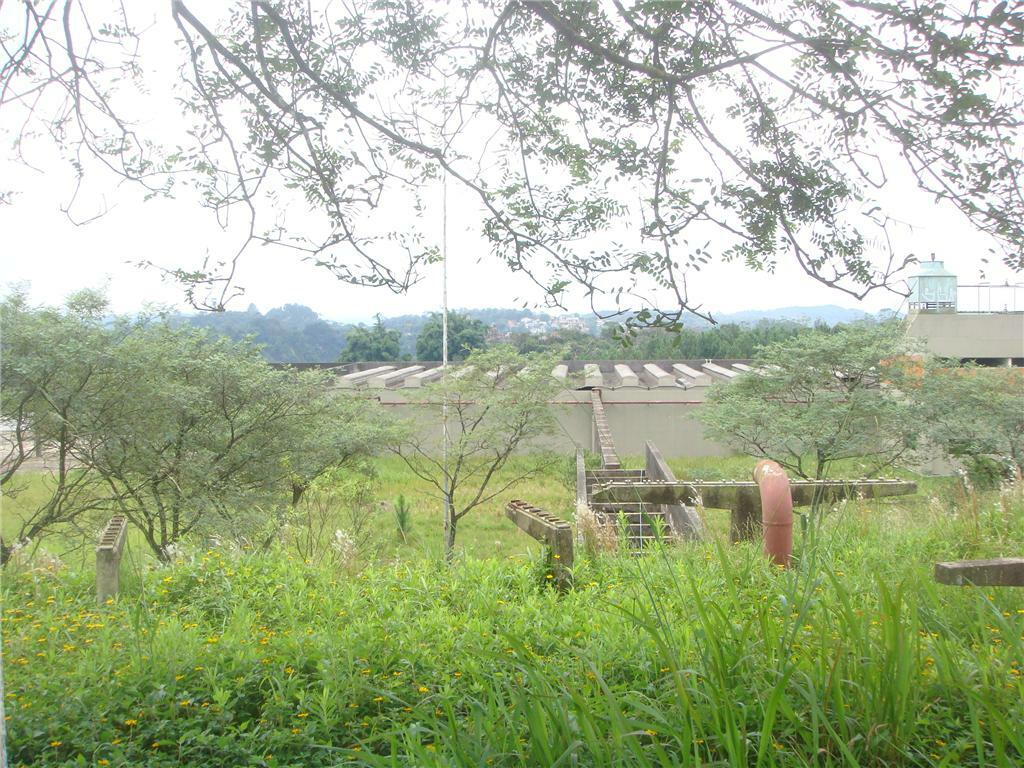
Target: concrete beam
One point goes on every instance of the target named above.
(692, 375)
(592, 376)
(742, 367)
(626, 375)
(659, 375)
(723, 494)
(720, 370)
(551, 531)
(560, 372)
(743, 497)
(998, 572)
(384, 380)
(350, 380)
(421, 378)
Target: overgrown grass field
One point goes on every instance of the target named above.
(696, 655)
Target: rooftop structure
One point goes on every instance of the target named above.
(983, 323)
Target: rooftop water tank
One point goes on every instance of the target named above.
(933, 288)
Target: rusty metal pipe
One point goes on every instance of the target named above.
(776, 511)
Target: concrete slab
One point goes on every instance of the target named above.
(658, 375)
(350, 380)
(592, 376)
(694, 378)
(421, 378)
(383, 380)
(719, 370)
(627, 378)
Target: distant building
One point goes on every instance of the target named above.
(535, 325)
(983, 323)
(569, 323)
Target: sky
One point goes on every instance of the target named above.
(43, 247)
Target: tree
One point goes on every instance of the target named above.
(180, 432)
(465, 335)
(497, 405)
(975, 415)
(700, 130)
(376, 343)
(819, 397)
(49, 362)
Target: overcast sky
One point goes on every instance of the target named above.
(40, 245)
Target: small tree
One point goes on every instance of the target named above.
(48, 365)
(975, 414)
(498, 404)
(376, 343)
(465, 335)
(820, 397)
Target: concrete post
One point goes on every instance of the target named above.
(551, 531)
(108, 558)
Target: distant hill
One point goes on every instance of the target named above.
(290, 334)
(826, 313)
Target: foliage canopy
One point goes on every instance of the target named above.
(820, 397)
(612, 147)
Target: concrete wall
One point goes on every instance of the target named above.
(664, 415)
(965, 335)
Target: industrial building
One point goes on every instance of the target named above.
(982, 323)
(657, 400)
(644, 400)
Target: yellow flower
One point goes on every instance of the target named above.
(56, 743)
(378, 698)
(103, 761)
(131, 721)
(303, 714)
(296, 730)
(424, 689)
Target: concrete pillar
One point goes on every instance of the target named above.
(108, 558)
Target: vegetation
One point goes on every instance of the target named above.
(465, 334)
(703, 655)
(376, 343)
(498, 404)
(290, 334)
(180, 433)
(976, 415)
(755, 132)
(818, 398)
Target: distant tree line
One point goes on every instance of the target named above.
(295, 333)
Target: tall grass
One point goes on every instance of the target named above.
(693, 655)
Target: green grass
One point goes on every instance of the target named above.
(700, 655)
(486, 532)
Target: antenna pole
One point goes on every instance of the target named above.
(448, 522)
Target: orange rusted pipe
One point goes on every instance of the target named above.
(776, 511)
